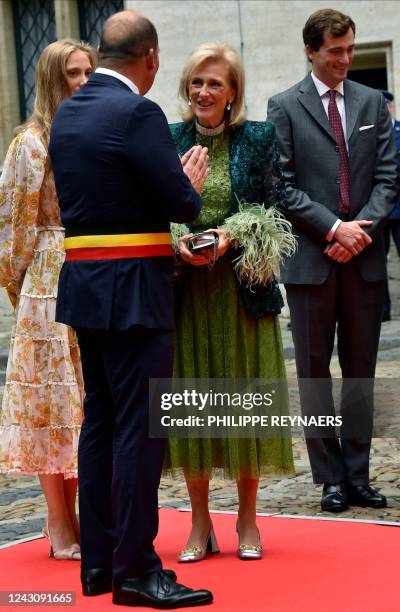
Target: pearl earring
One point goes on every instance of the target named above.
(228, 107)
(189, 103)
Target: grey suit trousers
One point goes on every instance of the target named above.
(315, 312)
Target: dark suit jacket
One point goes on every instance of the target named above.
(396, 132)
(117, 172)
(310, 163)
(256, 177)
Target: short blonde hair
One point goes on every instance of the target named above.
(51, 81)
(215, 51)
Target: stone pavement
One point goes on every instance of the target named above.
(22, 505)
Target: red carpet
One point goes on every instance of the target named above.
(308, 566)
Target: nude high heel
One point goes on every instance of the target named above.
(73, 553)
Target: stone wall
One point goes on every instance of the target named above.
(9, 101)
(67, 24)
(269, 35)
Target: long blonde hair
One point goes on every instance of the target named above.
(216, 51)
(51, 83)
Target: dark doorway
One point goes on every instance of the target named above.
(373, 77)
(370, 66)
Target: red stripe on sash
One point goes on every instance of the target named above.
(125, 252)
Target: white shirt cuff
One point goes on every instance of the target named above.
(332, 231)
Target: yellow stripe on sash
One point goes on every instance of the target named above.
(117, 240)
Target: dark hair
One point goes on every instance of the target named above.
(127, 43)
(336, 22)
(389, 97)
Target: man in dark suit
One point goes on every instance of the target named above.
(120, 182)
(339, 162)
(392, 228)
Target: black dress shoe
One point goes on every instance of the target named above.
(170, 573)
(365, 496)
(96, 581)
(334, 498)
(99, 581)
(157, 590)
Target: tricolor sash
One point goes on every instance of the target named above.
(118, 246)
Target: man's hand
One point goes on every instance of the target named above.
(352, 237)
(195, 166)
(338, 253)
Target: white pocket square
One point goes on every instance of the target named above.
(366, 127)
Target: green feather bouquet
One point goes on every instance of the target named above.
(265, 239)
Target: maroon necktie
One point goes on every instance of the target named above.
(344, 173)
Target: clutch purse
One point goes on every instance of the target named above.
(206, 244)
(204, 241)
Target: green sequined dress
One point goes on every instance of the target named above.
(217, 338)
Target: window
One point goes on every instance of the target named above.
(35, 28)
(92, 15)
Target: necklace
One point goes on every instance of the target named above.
(210, 131)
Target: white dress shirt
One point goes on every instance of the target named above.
(120, 77)
(323, 91)
(324, 95)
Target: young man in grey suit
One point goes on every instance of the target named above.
(339, 161)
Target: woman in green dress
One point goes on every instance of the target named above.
(227, 324)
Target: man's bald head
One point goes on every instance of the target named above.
(126, 36)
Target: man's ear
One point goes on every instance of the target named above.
(151, 61)
(309, 52)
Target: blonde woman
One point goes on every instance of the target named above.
(227, 324)
(42, 403)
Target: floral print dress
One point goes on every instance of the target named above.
(42, 402)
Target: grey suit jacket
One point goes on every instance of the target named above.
(310, 162)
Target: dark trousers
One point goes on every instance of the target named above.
(353, 305)
(119, 466)
(391, 228)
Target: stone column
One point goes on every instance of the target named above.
(67, 19)
(9, 96)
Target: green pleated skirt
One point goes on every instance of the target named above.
(216, 338)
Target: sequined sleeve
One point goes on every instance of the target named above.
(276, 195)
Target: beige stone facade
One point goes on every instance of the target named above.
(269, 35)
(266, 32)
(9, 100)
(67, 25)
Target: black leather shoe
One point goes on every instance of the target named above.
(99, 581)
(96, 581)
(170, 573)
(157, 590)
(365, 496)
(334, 498)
